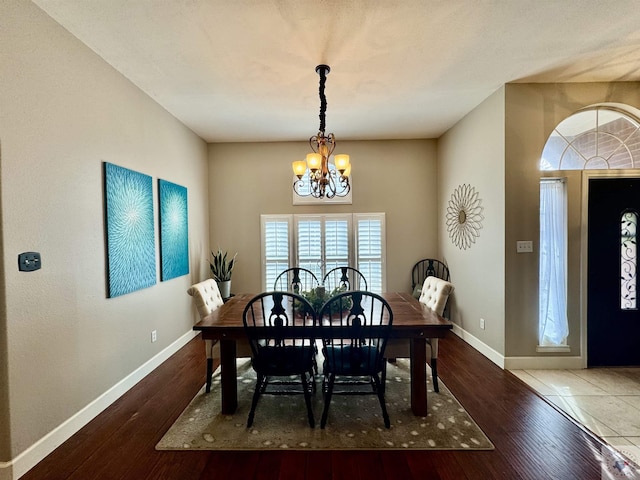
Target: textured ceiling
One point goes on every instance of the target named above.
(241, 70)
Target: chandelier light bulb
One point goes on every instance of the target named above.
(299, 168)
(342, 162)
(314, 161)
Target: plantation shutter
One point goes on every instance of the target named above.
(276, 249)
(336, 243)
(323, 242)
(309, 232)
(370, 251)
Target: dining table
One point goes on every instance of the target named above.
(412, 320)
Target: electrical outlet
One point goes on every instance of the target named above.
(154, 335)
(482, 323)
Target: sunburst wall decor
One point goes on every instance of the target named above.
(464, 216)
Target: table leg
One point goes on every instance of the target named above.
(228, 376)
(419, 376)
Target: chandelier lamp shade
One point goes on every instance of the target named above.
(317, 176)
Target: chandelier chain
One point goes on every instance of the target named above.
(323, 99)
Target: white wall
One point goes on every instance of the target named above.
(63, 111)
(472, 153)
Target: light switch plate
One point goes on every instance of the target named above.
(29, 261)
(524, 246)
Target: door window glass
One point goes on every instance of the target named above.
(628, 260)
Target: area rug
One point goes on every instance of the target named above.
(355, 422)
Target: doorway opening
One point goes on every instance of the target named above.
(603, 141)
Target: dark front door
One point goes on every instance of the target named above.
(613, 329)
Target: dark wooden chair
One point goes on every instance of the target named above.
(428, 267)
(346, 278)
(279, 328)
(355, 327)
(296, 280)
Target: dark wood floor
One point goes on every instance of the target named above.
(532, 439)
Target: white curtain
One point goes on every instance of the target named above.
(553, 325)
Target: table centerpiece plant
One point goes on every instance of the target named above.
(318, 296)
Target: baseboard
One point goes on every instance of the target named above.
(482, 347)
(546, 362)
(26, 460)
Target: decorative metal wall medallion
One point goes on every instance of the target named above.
(464, 216)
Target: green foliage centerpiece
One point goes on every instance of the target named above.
(318, 296)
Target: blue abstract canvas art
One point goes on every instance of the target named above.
(174, 231)
(131, 253)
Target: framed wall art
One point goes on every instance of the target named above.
(174, 230)
(130, 236)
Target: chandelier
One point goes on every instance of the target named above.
(317, 177)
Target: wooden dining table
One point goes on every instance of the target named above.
(411, 320)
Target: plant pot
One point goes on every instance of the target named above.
(225, 288)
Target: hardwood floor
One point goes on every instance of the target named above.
(533, 440)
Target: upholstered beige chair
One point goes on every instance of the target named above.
(435, 293)
(207, 298)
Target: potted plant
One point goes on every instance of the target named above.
(221, 270)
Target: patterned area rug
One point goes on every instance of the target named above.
(355, 422)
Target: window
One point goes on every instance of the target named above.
(628, 260)
(601, 137)
(322, 242)
(553, 324)
(370, 249)
(276, 239)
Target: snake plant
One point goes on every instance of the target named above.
(221, 268)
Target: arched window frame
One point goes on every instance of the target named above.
(604, 136)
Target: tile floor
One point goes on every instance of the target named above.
(604, 400)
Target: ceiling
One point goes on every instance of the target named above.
(244, 70)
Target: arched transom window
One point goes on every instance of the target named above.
(600, 137)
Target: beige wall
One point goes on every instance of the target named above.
(63, 111)
(472, 153)
(496, 148)
(395, 177)
(532, 112)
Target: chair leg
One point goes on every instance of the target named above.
(307, 400)
(380, 391)
(312, 380)
(434, 373)
(256, 397)
(209, 374)
(327, 399)
(263, 384)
